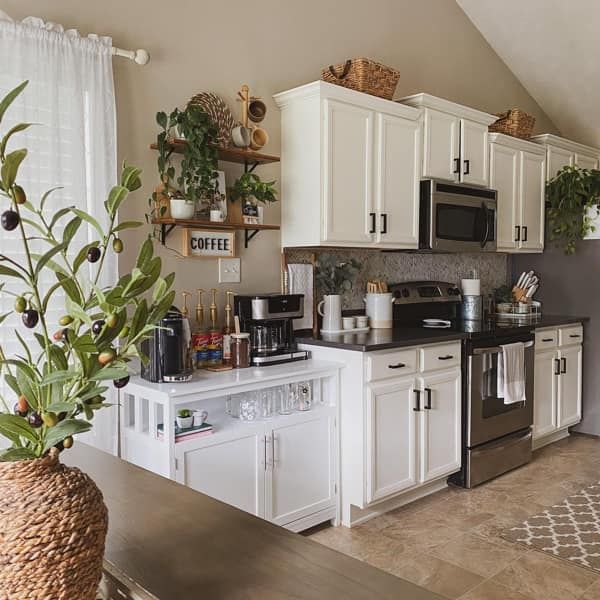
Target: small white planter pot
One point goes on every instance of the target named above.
(184, 422)
(182, 208)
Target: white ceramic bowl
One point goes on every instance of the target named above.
(182, 208)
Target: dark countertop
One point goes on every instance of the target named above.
(178, 543)
(398, 337)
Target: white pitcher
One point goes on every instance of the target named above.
(379, 309)
(332, 314)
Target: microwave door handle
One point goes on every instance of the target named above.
(487, 225)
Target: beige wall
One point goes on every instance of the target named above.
(272, 45)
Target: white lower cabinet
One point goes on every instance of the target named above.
(413, 429)
(281, 473)
(391, 433)
(440, 442)
(558, 383)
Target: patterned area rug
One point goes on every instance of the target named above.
(569, 530)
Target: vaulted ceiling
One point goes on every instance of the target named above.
(552, 46)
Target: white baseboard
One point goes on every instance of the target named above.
(358, 515)
(328, 514)
(555, 436)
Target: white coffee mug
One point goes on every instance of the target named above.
(200, 417)
(379, 309)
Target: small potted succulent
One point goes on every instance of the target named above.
(250, 190)
(185, 418)
(61, 375)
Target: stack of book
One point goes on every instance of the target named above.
(182, 435)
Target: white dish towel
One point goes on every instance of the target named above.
(511, 373)
(300, 281)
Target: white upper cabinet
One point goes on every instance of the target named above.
(561, 152)
(350, 169)
(347, 173)
(517, 173)
(455, 140)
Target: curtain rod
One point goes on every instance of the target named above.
(139, 56)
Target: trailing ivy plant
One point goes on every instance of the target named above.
(60, 379)
(250, 186)
(569, 195)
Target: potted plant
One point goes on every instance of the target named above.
(572, 199)
(60, 378)
(185, 418)
(197, 181)
(250, 189)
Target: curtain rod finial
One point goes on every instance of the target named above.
(142, 56)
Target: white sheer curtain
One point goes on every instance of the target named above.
(70, 97)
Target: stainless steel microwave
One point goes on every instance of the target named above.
(456, 217)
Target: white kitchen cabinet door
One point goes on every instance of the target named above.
(474, 153)
(557, 159)
(570, 385)
(301, 477)
(586, 162)
(440, 431)
(545, 397)
(232, 471)
(532, 198)
(348, 173)
(397, 176)
(504, 177)
(441, 150)
(391, 438)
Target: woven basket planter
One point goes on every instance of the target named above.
(364, 75)
(53, 524)
(514, 122)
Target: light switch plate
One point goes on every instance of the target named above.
(229, 270)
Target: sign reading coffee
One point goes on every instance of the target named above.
(208, 243)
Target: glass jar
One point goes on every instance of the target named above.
(303, 395)
(240, 350)
(250, 407)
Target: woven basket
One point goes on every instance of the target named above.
(514, 122)
(219, 112)
(364, 75)
(53, 524)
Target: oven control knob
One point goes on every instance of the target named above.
(450, 291)
(396, 294)
(456, 292)
(405, 293)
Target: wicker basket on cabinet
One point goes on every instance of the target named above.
(514, 122)
(364, 75)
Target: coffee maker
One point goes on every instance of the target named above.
(169, 350)
(268, 318)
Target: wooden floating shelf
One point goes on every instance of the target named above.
(233, 154)
(167, 225)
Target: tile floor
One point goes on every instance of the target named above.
(450, 541)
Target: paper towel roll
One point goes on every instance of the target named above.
(471, 287)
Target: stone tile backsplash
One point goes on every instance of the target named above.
(395, 267)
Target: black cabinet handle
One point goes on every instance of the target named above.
(383, 222)
(556, 366)
(524, 233)
(564, 366)
(417, 408)
(428, 402)
(547, 339)
(517, 233)
(467, 167)
(397, 366)
(456, 165)
(372, 215)
(447, 357)
(574, 335)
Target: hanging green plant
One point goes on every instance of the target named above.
(250, 186)
(570, 195)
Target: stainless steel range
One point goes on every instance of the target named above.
(496, 437)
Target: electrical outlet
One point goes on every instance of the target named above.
(229, 270)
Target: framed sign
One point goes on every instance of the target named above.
(207, 244)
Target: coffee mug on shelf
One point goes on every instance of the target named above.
(241, 136)
(257, 110)
(258, 138)
(200, 417)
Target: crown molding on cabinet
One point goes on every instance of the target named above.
(549, 139)
(517, 143)
(428, 101)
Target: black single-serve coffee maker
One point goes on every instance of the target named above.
(169, 350)
(268, 318)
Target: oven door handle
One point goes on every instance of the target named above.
(495, 349)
